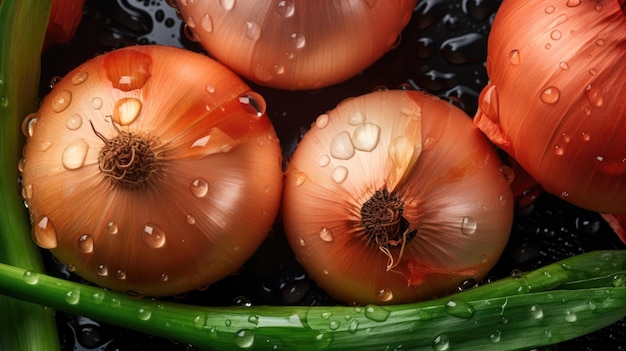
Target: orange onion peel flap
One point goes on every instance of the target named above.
(296, 44)
(555, 101)
(395, 196)
(151, 169)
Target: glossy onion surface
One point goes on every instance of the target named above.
(189, 184)
(393, 197)
(296, 44)
(556, 98)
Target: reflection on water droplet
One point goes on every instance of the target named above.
(126, 110)
(297, 40)
(96, 103)
(153, 236)
(74, 122)
(190, 219)
(468, 225)
(341, 146)
(536, 311)
(112, 228)
(253, 30)
(199, 187)
(441, 343)
(285, 8)
(74, 155)
(570, 316)
(339, 174)
(144, 313)
(550, 95)
(514, 57)
(384, 295)
(460, 308)
(376, 313)
(321, 121)
(29, 124)
(72, 297)
(365, 137)
(85, 243)
(120, 274)
(45, 234)
(102, 270)
(61, 100)
(31, 278)
(326, 235)
(253, 103)
(594, 95)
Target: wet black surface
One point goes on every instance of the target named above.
(442, 50)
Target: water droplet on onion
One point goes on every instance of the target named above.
(74, 155)
(45, 234)
(61, 100)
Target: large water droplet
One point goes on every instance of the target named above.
(72, 297)
(144, 313)
(153, 236)
(297, 40)
(326, 235)
(468, 225)
(74, 155)
(29, 123)
(285, 8)
(253, 103)
(199, 187)
(536, 311)
(441, 343)
(128, 69)
(460, 308)
(339, 174)
(253, 30)
(594, 95)
(206, 23)
(571, 316)
(45, 234)
(30, 277)
(341, 146)
(85, 243)
(376, 313)
(365, 137)
(126, 110)
(61, 100)
(550, 95)
(227, 4)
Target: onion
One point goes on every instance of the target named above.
(393, 197)
(296, 44)
(556, 97)
(151, 169)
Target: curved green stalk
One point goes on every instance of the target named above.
(557, 302)
(22, 28)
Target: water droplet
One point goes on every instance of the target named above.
(495, 336)
(302, 241)
(253, 103)
(467, 284)
(341, 146)
(128, 69)
(300, 179)
(72, 297)
(199, 321)
(536, 311)
(153, 236)
(508, 173)
(441, 343)
(244, 338)
(326, 235)
(326, 315)
(45, 234)
(199, 187)
(120, 274)
(164, 277)
(126, 111)
(376, 313)
(514, 57)
(384, 295)
(206, 23)
(74, 155)
(61, 100)
(550, 95)
(85, 243)
(558, 150)
(570, 316)
(323, 161)
(30, 277)
(285, 8)
(144, 313)
(73, 122)
(353, 327)
(401, 150)
(468, 225)
(227, 4)
(79, 77)
(254, 319)
(112, 228)
(594, 95)
(365, 137)
(96, 103)
(253, 30)
(333, 325)
(549, 9)
(460, 308)
(97, 297)
(321, 121)
(29, 124)
(102, 270)
(323, 341)
(573, 3)
(564, 65)
(555, 35)
(340, 174)
(190, 219)
(297, 40)
(356, 118)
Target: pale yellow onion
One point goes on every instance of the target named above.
(296, 44)
(210, 200)
(456, 201)
(556, 100)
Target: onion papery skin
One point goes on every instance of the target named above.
(555, 101)
(209, 204)
(296, 44)
(431, 156)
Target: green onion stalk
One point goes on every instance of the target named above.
(22, 29)
(560, 301)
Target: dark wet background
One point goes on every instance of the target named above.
(442, 50)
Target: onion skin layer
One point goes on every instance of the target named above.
(296, 44)
(215, 193)
(446, 172)
(555, 101)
